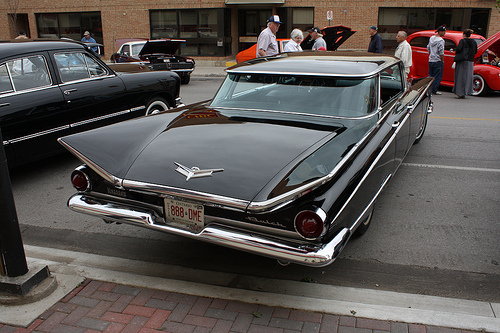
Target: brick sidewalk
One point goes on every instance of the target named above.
(107, 307)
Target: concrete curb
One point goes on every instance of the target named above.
(365, 303)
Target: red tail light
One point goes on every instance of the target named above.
(309, 224)
(80, 180)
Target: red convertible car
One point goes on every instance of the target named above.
(486, 62)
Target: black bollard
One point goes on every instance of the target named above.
(11, 245)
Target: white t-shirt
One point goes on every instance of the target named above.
(267, 42)
(292, 46)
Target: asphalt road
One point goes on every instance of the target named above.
(435, 230)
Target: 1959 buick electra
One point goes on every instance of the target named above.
(286, 161)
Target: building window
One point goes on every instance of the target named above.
(206, 31)
(302, 18)
(295, 17)
(392, 20)
(253, 21)
(69, 25)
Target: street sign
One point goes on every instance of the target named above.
(329, 15)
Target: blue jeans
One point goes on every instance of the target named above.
(436, 71)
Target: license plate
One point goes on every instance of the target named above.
(185, 213)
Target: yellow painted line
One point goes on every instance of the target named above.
(457, 118)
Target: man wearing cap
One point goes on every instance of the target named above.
(87, 39)
(266, 43)
(375, 40)
(317, 37)
(436, 58)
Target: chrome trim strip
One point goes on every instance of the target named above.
(292, 113)
(88, 121)
(92, 78)
(362, 76)
(35, 135)
(182, 70)
(65, 127)
(309, 254)
(19, 92)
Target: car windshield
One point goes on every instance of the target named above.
(136, 48)
(478, 41)
(323, 96)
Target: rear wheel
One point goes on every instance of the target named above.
(479, 87)
(421, 131)
(185, 79)
(364, 225)
(157, 105)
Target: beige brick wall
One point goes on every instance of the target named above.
(130, 18)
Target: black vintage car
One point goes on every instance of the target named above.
(158, 54)
(50, 89)
(286, 161)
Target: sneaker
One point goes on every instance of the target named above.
(438, 93)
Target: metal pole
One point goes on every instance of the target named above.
(11, 244)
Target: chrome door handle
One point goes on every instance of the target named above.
(69, 91)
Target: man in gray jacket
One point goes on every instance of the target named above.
(436, 58)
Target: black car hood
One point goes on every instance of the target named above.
(334, 36)
(162, 46)
(252, 151)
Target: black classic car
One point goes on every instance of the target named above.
(54, 88)
(286, 161)
(158, 54)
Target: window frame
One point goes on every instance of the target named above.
(12, 78)
(86, 56)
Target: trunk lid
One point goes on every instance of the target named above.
(250, 150)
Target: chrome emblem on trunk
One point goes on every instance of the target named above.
(195, 172)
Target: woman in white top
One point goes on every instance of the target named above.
(296, 38)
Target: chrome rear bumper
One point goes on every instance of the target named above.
(240, 239)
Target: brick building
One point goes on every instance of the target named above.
(218, 29)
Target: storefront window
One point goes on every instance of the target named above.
(302, 18)
(205, 30)
(207, 26)
(187, 24)
(47, 26)
(163, 24)
(69, 25)
(253, 21)
(391, 20)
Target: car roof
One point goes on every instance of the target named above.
(136, 42)
(334, 63)
(14, 47)
(456, 35)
